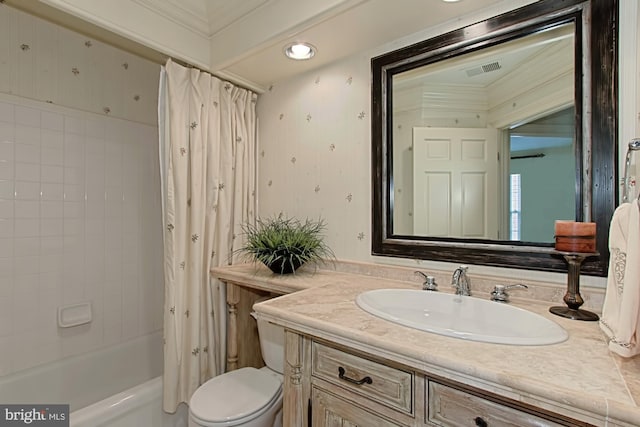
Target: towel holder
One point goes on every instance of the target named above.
(634, 145)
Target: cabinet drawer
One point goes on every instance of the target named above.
(331, 410)
(385, 385)
(448, 406)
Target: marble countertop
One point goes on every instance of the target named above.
(260, 277)
(578, 377)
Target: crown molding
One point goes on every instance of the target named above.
(178, 13)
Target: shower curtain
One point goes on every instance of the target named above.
(207, 161)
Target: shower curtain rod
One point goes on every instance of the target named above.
(222, 76)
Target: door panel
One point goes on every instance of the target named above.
(456, 191)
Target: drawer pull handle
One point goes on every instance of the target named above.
(365, 380)
(480, 422)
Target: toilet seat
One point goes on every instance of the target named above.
(235, 397)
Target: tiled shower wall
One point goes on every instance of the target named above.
(79, 222)
(80, 214)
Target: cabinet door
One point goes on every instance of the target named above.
(329, 410)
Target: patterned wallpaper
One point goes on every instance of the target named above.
(43, 61)
(314, 159)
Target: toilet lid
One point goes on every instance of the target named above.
(234, 395)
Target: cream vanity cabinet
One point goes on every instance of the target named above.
(332, 385)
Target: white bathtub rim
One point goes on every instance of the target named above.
(115, 406)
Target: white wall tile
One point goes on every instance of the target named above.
(7, 112)
(51, 263)
(25, 266)
(26, 227)
(71, 229)
(6, 277)
(48, 351)
(27, 116)
(7, 132)
(6, 208)
(95, 128)
(25, 350)
(94, 150)
(26, 246)
(74, 210)
(6, 228)
(6, 248)
(27, 135)
(6, 355)
(27, 172)
(51, 284)
(6, 318)
(27, 153)
(52, 121)
(73, 193)
(73, 245)
(112, 326)
(28, 283)
(51, 227)
(74, 125)
(27, 209)
(51, 245)
(27, 190)
(52, 139)
(52, 156)
(6, 269)
(94, 273)
(6, 151)
(95, 208)
(51, 173)
(25, 300)
(52, 192)
(7, 170)
(51, 209)
(74, 175)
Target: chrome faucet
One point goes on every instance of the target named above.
(460, 281)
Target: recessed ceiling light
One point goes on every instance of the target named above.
(450, 1)
(299, 51)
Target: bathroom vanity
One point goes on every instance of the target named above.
(347, 367)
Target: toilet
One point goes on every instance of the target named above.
(246, 397)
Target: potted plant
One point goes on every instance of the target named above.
(284, 244)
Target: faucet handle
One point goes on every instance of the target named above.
(499, 293)
(430, 282)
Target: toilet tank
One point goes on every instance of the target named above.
(272, 344)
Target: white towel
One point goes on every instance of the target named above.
(621, 311)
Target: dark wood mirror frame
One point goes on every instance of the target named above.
(602, 31)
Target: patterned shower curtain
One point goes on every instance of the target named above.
(208, 163)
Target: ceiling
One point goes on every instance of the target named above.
(245, 38)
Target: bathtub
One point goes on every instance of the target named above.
(139, 406)
(112, 385)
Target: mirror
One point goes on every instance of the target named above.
(483, 142)
(484, 136)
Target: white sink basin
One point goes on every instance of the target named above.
(464, 317)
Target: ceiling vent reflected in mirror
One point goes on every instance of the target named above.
(486, 68)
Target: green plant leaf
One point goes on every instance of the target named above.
(280, 240)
